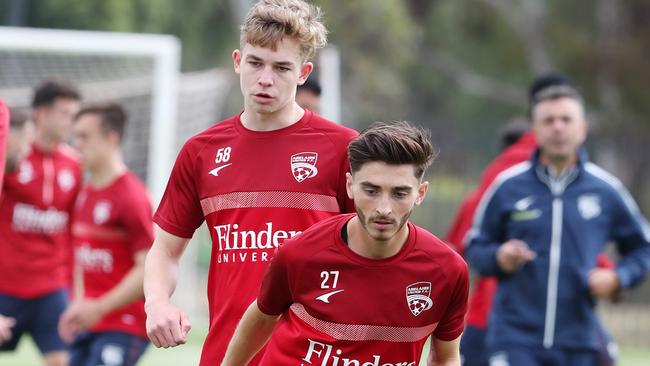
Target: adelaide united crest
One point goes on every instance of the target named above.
(418, 297)
(303, 165)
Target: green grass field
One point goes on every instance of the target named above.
(188, 354)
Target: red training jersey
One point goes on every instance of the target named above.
(35, 244)
(340, 308)
(254, 190)
(110, 225)
(4, 131)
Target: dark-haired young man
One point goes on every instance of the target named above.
(35, 248)
(366, 288)
(112, 231)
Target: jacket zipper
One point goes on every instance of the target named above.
(553, 273)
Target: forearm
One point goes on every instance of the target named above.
(160, 274)
(126, 292)
(252, 333)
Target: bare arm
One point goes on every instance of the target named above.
(167, 326)
(445, 353)
(251, 334)
(84, 312)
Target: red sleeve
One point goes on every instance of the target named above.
(138, 220)
(462, 223)
(180, 211)
(275, 293)
(4, 129)
(452, 324)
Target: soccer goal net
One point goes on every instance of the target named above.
(137, 70)
(142, 73)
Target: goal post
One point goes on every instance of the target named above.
(164, 52)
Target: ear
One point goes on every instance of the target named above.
(422, 192)
(236, 59)
(305, 71)
(348, 185)
(114, 138)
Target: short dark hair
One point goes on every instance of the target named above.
(512, 132)
(311, 85)
(18, 118)
(395, 143)
(112, 116)
(550, 86)
(47, 92)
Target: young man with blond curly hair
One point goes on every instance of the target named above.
(256, 178)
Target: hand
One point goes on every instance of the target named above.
(604, 283)
(167, 326)
(79, 316)
(513, 254)
(5, 328)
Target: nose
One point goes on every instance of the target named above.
(266, 77)
(383, 205)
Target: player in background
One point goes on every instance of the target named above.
(257, 178)
(112, 232)
(4, 132)
(35, 247)
(19, 139)
(518, 145)
(539, 229)
(364, 288)
(308, 95)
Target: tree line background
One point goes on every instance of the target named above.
(459, 67)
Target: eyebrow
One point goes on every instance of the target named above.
(398, 188)
(279, 63)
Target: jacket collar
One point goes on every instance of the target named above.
(557, 184)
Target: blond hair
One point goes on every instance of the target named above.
(269, 21)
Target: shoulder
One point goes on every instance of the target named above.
(197, 142)
(318, 236)
(600, 175)
(133, 189)
(338, 133)
(438, 250)
(66, 153)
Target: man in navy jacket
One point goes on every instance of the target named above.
(539, 228)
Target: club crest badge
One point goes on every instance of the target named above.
(589, 206)
(25, 172)
(66, 180)
(418, 297)
(303, 165)
(102, 212)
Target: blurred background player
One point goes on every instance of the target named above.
(518, 143)
(20, 139)
(540, 228)
(112, 231)
(308, 95)
(257, 178)
(35, 247)
(365, 288)
(4, 131)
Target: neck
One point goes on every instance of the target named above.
(282, 118)
(559, 165)
(363, 244)
(45, 143)
(106, 172)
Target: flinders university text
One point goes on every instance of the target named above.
(236, 245)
